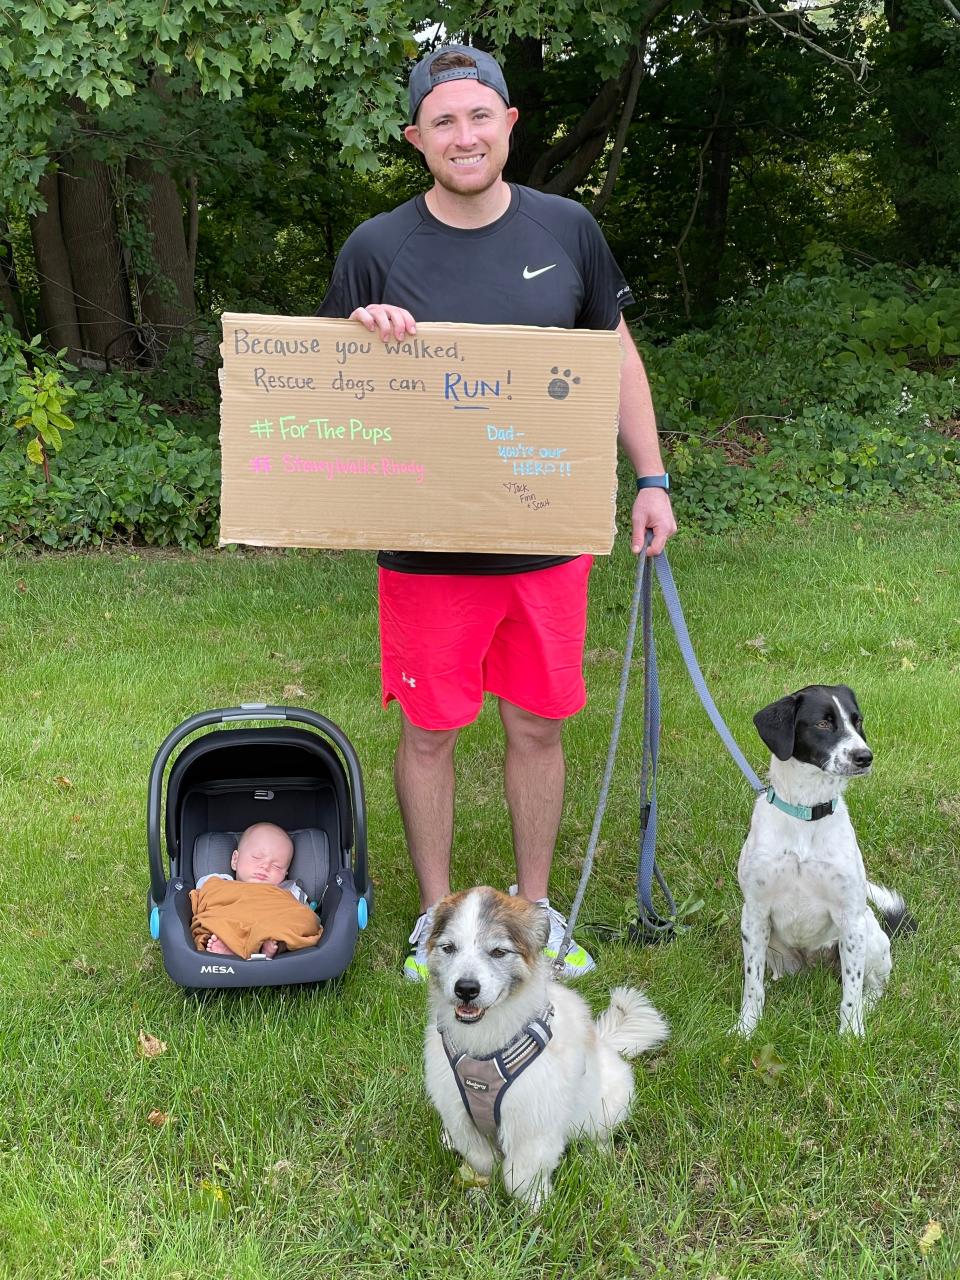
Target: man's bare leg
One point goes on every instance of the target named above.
(424, 779)
(533, 777)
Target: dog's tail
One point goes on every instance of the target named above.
(631, 1024)
(896, 917)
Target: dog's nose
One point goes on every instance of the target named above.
(466, 989)
(862, 757)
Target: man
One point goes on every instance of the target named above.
(475, 249)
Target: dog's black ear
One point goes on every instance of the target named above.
(776, 725)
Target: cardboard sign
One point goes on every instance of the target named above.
(462, 438)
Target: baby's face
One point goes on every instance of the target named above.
(263, 857)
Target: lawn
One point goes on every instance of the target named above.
(287, 1134)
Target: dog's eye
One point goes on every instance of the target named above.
(826, 723)
(448, 948)
(498, 953)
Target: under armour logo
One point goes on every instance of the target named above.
(410, 680)
(529, 275)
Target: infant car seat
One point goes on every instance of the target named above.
(307, 782)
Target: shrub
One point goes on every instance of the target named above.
(125, 472)
(827, 384)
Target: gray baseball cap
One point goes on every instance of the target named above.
(424, 81)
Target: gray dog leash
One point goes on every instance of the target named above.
(652, 926)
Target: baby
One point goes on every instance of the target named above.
(262, 856)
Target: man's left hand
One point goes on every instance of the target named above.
(652, 510)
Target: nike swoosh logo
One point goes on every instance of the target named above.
(528, 274)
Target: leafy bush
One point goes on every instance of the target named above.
(125, 472)
(828, 384)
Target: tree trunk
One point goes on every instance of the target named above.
(719, 150)
(96, 259)
(578, 150)
(58, 320)
(523, 68)
(11, 305)
(716, 208)
(916, 76)
(166, 294)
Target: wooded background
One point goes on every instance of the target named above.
(159, 164)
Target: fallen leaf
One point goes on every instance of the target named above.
(210, 1198)
(294, 691)
(931, 1234)
(82, 965)
(157, 1118)
(471, 1178)
(907, 665)
(61, 781)
(769, 1064)
(21, 586)
(150, 1046)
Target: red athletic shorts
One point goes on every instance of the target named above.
(446, 639)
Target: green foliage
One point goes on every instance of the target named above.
(38, 410)
(53, 51)
(816, 389)
(125, 472)
(33, 395)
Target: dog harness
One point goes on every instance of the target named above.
(483, 1081)
(805, 812)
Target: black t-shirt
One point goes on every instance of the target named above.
(544, 262)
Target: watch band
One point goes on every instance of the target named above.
(653, 482)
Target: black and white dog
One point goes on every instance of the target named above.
(804, 886)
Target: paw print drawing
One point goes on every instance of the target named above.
(559, 387)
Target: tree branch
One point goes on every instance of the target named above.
(856, 70)
(623, 126)
(693, 212)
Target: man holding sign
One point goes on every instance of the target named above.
(477, 250)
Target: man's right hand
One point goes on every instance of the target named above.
(389, 322)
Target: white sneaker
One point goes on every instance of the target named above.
(577, 961)
(415, 965)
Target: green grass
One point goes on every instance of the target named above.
(299, 1141)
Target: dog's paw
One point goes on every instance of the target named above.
(744, 1028)
(851, 1027)
(445, 1140)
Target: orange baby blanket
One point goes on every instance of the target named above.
(244, 916)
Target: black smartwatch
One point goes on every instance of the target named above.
(653, 482)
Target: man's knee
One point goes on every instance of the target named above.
(525, 730)
(427, 745)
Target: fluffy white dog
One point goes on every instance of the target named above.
(515, 1064)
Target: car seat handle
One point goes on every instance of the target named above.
(253, 711)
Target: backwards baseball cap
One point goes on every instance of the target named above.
(424, 80)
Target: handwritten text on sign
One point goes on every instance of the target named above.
(464, 438)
